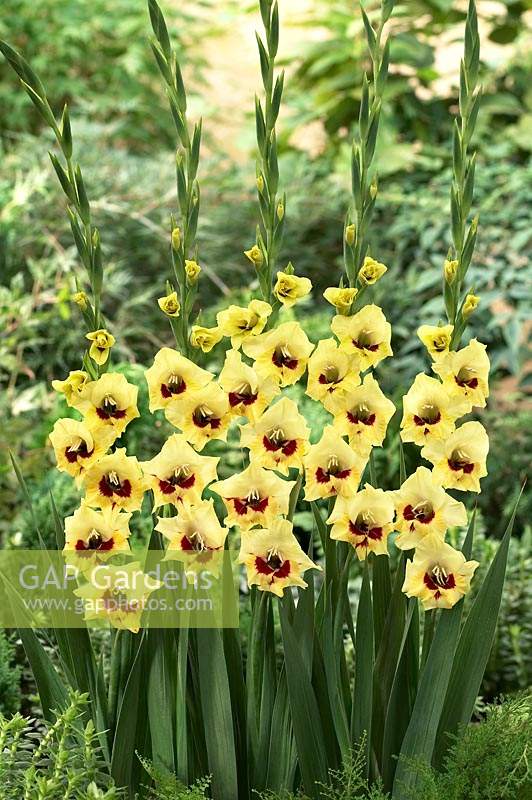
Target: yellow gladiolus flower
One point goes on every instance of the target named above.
(281, 353)
(239, 322)
(195, 536)
(460, 460)
(255, 255)
(341, 299)
(279, 439)
(118, 594)
(274, 559)
(254, 497)
(76, 447)
(201, 415)
(248, 393)
(363, 415)
(72, 387)
(429, 412)
(366, 334)
(439, 575)
(364, 520)
(102, 341)
(111, 403)
(171, 376)
(192, 270)
(90, 533)
(205, 338)
(464, 373)
(178, 473)
(289, 289)
(470, 304)
(371, 271)
(116, 480)
(436, 339)
(331, 374)
(170, 305)
(424, 509)
(332, 467)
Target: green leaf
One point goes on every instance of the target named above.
(123, 758)
(364, 657)
(216, 707)
(304, 710)
(160, 696)
(421, 733)
(474, 645)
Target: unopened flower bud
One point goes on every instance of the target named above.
(192, 269)
(260, 183)
(350, 235)
(373, 190)
(176, 238)
(255, 255)
(170, 305)
(470, 304)
(81, 300)
(280, 210)
(449, 270)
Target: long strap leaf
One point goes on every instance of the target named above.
(474, 646)
(420, 737)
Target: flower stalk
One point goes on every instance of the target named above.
(86, 235)
(272, 207)
(183, 238)
(363, 183)
(464, 231)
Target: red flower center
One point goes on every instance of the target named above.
(204, 418)
(245, 397)
(174, 385)
(423, 512)
(282, 358)
(81, 451)
(325, 475)
(360, 415)
(460, 465)
(273, 445)
(183, 481)
(365, 532)
(112, 485)
(272, 565)
(242, 504)
(94, 541)
(438, 579)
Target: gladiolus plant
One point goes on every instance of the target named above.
(279, 708)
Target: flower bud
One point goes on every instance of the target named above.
(255, 256)
(170, 304)
(373, 189)
(280, 210)
(470, 304)
(81, 300)
(192, 269)
(340, 298)
(101, 343)
(449, 270)
(371, 271)
(350, 235)
(176, 238)
(260, 183)
(205, 338)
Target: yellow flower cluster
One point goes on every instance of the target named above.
(259, 365)
(438, 574)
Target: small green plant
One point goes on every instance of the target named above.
(490, 761)
(63, 761)
(167, 787)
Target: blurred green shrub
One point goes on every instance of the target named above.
(10, 693)
(98, 55)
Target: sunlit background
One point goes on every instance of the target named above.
(95, 54)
